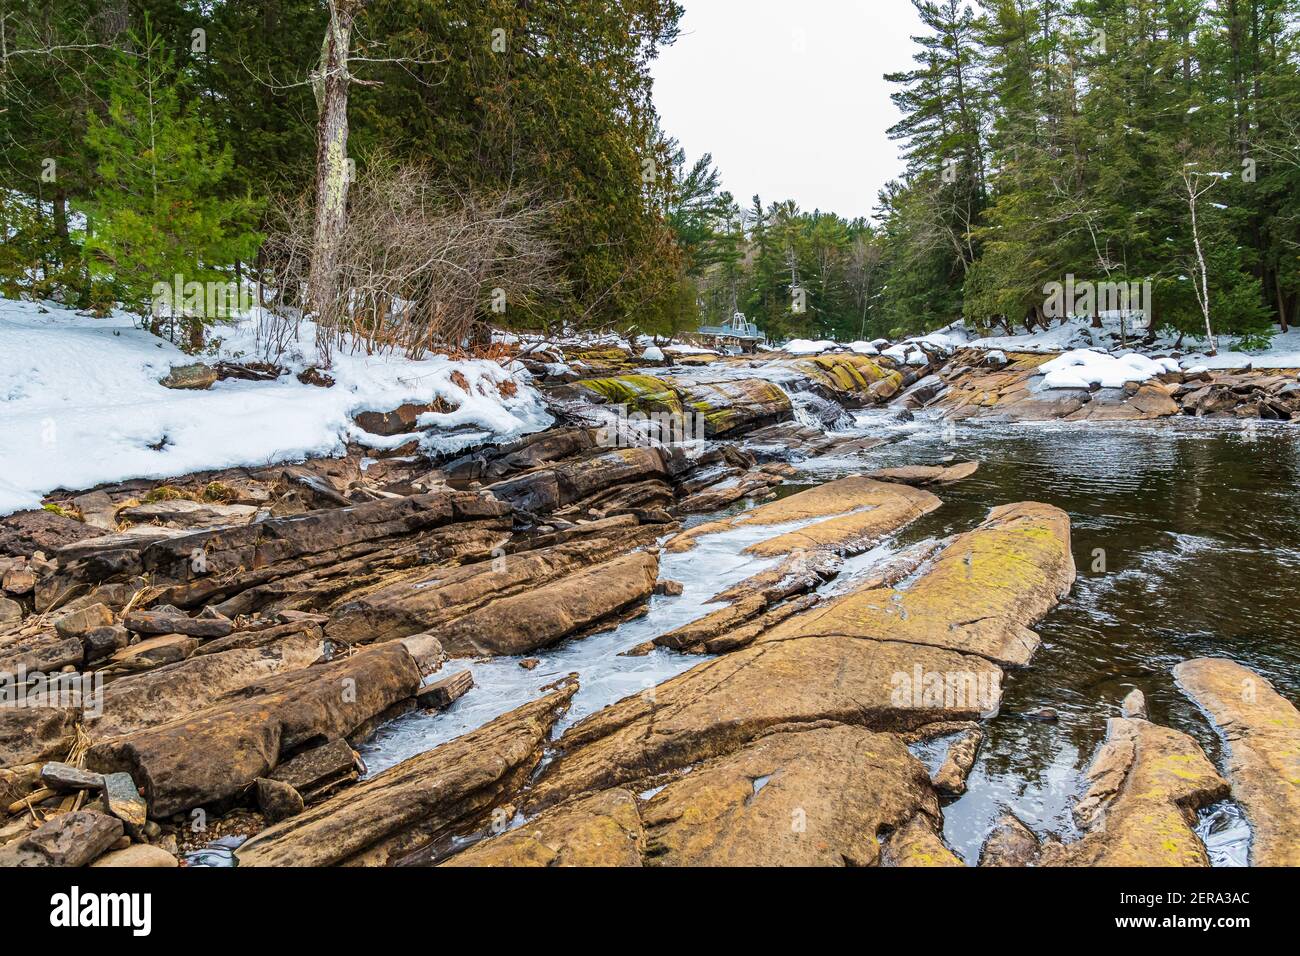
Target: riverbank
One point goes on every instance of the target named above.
(588, 646)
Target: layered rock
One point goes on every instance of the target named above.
(847, 516)
(1262, 730)
(411, 805)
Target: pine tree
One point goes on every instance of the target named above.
(155, 216)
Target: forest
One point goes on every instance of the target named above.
(1127, 141)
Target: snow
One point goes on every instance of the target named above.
(681, 348)
(863, 348)
(653, 354)
(80, 404)
(1083, 368)
(808, 347)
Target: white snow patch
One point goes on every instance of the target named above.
(80, 404)
(1083, 368)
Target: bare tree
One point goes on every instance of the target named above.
(1196, 183)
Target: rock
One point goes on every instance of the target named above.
(978, 597)
(601, 830)
(918, 845)
(172, 621)
(847, 516)
(195, 376)
(32, 734)
(1145, 786)
(70, 839)
(19, 581)
(444, 692)
(1045, 714)
(26, 532)
(800, 573)
(190, 514)
(138, 856)
(102, 642)
(420, 799)
(68, 779)
(318, 772)
(11, 612)
(951, 776)
(1154, 402)
(77, 623)
(154, 652)
(214, 755)
(398, 421)
(277, 800)
(1135, 705)
(122, 799)
(926, 474)
(1011, 843)
(176, 691)
(852, 380)
(821, 795)
(97, 510)
(668, 588)
(512, 605)
(733, 406)
(720, 705)
(1262, 729)
(40, 651)
(529, 663)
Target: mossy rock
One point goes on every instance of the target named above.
(642, 393)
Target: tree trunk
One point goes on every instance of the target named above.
(331, 87)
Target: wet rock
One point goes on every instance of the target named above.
(212, 756)
(445, 691)
(732, 407)
(1145, 786)
(950, 779)
(850, 378)
(920, 475)
(138, 856)
(529, 663)
(70, 839)
(798, 796)
(800, 573)
(68, 779)
(1135, 705)
(320, 771)
(195, 376)
(847, 516)
(398, 421)
(122, 799)
(601, 830)
(172, 621)
(417, 801)
(668, 588)
(277, 800)
(978, 597)
(1045, 714)
(1262, 729)
(720, 705)
(1011, 843)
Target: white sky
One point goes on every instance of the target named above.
(789, 96)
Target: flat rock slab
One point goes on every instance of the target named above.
(1145, 786)
(926, 474)
(846, 516)
(406, 806)
(138, 856)
(68, 779)
(1263, 733)
(978, 597)
(720, 705)
(803, 796)
(601, 830)
(30, 734)
(70, 839)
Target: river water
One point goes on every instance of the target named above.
(1187, 542)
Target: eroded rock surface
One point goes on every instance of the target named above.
(1262, 729)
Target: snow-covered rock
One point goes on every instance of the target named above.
(1083, 368)
(653, 354)
(809, 347)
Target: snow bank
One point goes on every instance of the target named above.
(808, 347)
(80, 404)
(1083, 368)
(864, 348)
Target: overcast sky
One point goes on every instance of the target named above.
(788, 96)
